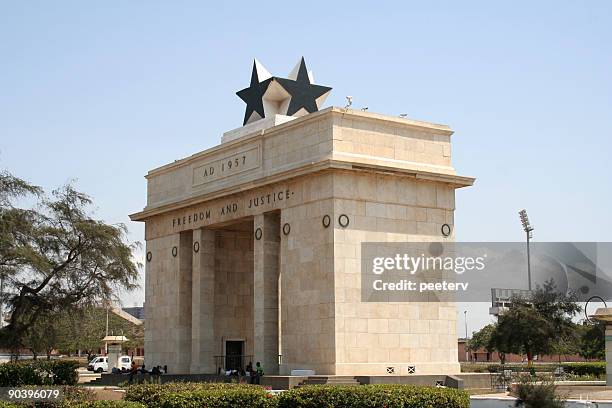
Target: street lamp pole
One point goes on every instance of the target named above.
(528, 260)
(106, 342)
(1, 302)
(467, 353)
(529, 233)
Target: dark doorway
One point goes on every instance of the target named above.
(234, 355)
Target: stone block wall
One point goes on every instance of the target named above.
(397, 143)
(370, 337)
(233, 319)
(168, 298)
(307, 282)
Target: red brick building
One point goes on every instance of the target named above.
(484, 356)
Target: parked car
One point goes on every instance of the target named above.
(125, 363)
(100, 364)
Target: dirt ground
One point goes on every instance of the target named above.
(107, 393)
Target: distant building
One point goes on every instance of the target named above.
(483, 356)
(501, 299)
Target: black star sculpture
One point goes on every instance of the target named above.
(303, 93)
(253, 95)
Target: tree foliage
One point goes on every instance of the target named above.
(536, 325)
(89, 325)
(44, 335)
(81, 329)
(12, 187)
(592, 341)
(55, 256)
(481, 339)
(537, 393)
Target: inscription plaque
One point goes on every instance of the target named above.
(228, 165)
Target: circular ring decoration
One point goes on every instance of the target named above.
(286, 228)
(149, 256)
(174, 251)
(196, 247)
(326, 221)
(588, 319)
(258, 233)
(343, 220)
(446, 230)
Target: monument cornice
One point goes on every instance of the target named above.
(311, 168)
(404, 122)
(298, 122)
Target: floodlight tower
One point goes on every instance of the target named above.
(529, 232)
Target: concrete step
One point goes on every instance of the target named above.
(330, 380)
(88, 378)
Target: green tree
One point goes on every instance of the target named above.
(89, 325)
(566, 345)
(81, 329)
(12, 188)
(55, 257)
(16, 225)
(533, 326)
(45, 334)
(592, 341)
(482, 339)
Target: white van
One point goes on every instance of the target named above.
(100, 364)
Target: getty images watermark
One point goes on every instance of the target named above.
(410, 265)
(437, 271)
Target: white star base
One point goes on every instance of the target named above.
(255, 126)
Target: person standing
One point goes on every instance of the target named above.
(250, 372)
(133, 371)
(259, 372)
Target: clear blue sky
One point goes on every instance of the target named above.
(102, 91)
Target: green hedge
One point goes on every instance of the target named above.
(72, 396)
(213, 395)
(38, 372)
(75, 397)
(522, 368)
(597, 369)
(373, 396)
(251, 396)
(152, 394)
(209, 395)
(15, 374)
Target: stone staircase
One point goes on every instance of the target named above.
(330, 380)
(87, 379)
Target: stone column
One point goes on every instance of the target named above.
(265, 290)
(608, 339)
(203, 303)
(183, 317)
(604, 315)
